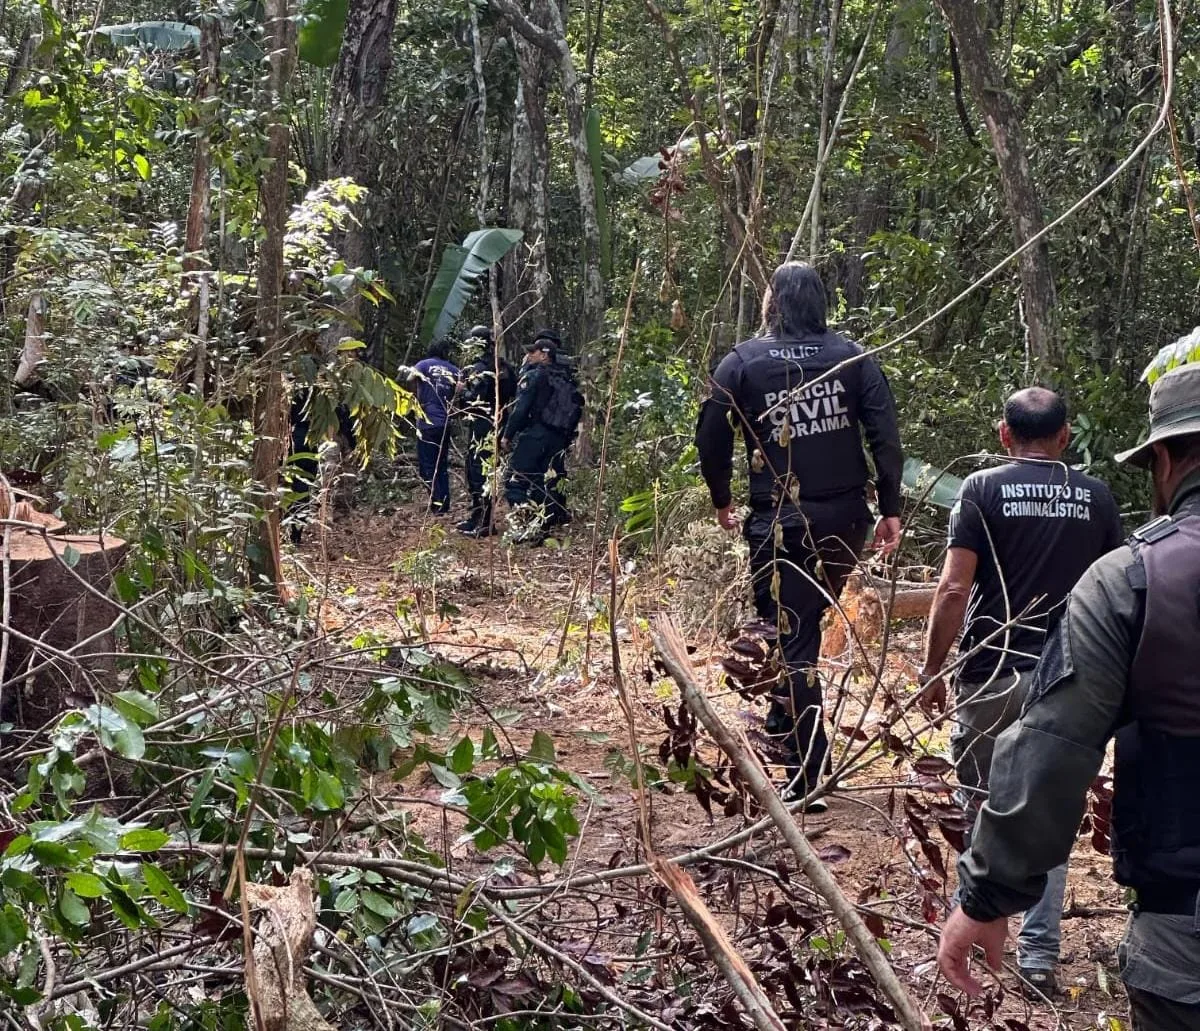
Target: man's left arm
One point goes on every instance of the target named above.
(877, 410)
(1045, 763)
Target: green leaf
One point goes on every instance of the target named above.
(460, 271)
(542, 747)
(330, 793)
(13, 929)
(51, 853)
(323, 23)
(145, 839)
(73, 910)
(445, 777)
(918, 477)
(86, 885)
(70, 557)
(346, 901)
(142, 166)
(134, 705)
(462, 759)
(201, 795)
(161, 887)
(379, 905)
(422, 922)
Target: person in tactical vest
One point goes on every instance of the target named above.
(1021, 535)
(1123, 663)
(485, 394)
(802, 396)
(540, 429)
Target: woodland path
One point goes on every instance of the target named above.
(502, 614)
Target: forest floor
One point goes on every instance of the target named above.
(503, 614)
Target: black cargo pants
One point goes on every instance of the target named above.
(537, 450)
(795, 574)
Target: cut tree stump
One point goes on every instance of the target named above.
(863, 601)
(61, 645)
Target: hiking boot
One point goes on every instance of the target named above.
(1037, 985)
(467, 526)
(478, 532)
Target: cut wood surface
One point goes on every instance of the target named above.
(61, 643)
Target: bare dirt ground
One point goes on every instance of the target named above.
(516, 618)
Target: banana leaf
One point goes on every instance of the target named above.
(917, 477)
(322, 26)
(459, 273)
(153, 35)
(1185, 349)
(596, 156)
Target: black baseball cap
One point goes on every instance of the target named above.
(545, 340)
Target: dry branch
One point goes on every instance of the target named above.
(718, 946)
(284, 938)
(671, 649)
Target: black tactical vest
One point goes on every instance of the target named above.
(1156, 801)
(801, 426)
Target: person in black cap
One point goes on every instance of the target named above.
(485, 394)
(541, 428)
(1122, 664)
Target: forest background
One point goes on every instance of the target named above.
(210, 211)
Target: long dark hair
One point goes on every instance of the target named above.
(795, 301)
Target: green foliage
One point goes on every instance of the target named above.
(459, 274)
(1185, 349)
(322, 25)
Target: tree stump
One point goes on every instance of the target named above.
(61, 647)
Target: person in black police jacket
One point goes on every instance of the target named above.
(540, 429)
(485, 394)
(802, 396)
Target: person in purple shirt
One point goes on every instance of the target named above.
(438, 377)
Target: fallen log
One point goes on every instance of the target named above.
(673, 652)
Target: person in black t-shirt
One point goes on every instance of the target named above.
(1021, 535)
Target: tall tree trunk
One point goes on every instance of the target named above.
(527, 284)
(356, 95)
(553, 40)
(1003, 121)
(270, 404)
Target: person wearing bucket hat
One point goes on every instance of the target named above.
(1123, 664)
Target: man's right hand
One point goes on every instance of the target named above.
(505, 445)
(932, 696)
(959, 934)
(727, 519)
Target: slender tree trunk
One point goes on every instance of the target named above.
(270, 404)
(196, 261)
(356, 96)
(1003, 122)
